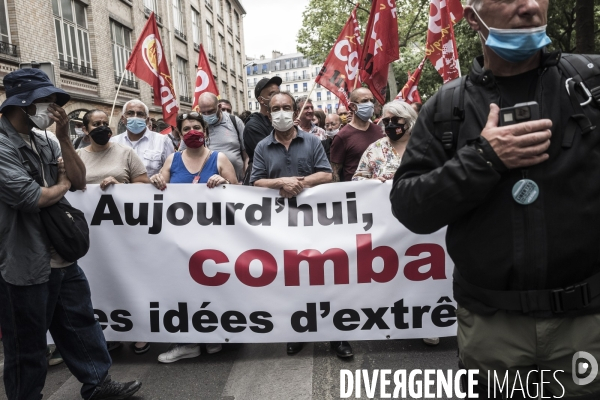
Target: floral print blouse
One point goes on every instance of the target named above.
(379, 160)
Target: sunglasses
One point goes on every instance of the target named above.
(183, 117)
(394, 120)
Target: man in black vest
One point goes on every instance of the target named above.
(519, 193)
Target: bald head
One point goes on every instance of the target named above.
(360, 93)
(332, 122)
(208, 99)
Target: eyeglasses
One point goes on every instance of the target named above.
(183, 117)
(394, 120)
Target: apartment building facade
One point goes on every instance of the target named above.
(89, 44)
(298, 74)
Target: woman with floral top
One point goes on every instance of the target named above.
(382, 158)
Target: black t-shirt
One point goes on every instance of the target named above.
(258, 127)
(517, 88)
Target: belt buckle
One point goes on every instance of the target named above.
(573, 297)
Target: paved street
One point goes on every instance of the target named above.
(256, 371)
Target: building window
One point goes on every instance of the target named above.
(250, 105)
(287, 64)
(328, 95)
(219, 10)
(305, 86)
(257, 105)
(222, 49)
(121, 41)
(295, 63)
(317, 70)
(249, 94)
(304, 74)
(328, 108)
(177, 17)
(196, 27)
(210, 39)
(287, 88)
(209, 3)
(255, 80)
(295, 88)
(236, 26)
(255, 70)
(4, 30)
(295, 75)
(230, 56)
(318, 96)
(72, 39)
(277, 65)
(238, 64)
(318, 86)
(182, 75)
(264, 68)
(150, 5)
(229, 14)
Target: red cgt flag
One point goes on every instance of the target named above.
(381, 46)
(409, 92)
(205, 82)
(441, 44)
(340, 72)
(148, 62)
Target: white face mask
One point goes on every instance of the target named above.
(282, 120)
(41, 119)
(79, 131)
(332, 133)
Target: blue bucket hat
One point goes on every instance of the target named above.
(24, 86)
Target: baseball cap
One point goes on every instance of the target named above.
(264, 82)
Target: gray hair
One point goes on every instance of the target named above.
(403, 110)
(135, 101)
(303, 99)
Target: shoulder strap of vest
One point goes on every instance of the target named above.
(450, 112)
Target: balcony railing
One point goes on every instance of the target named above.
(127, 82)
(208, 4)
(196, 47)
(148, 11)
(224, 66)
(180, 35)
(185, 99)
(78, 69)
(212, 58)
(230, 30)
(240, 78)
(8, 49)
(232, 72)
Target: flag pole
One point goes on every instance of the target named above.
(115, 102)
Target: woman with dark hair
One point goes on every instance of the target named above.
(319, 119)
(197, 163)
(108, 163)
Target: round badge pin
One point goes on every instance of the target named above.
(525, 191)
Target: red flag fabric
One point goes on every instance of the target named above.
(340, 73)
(148, 62)
(205, 82)
(381, 46)
(409, 92)
(441, 44)
(166, 131)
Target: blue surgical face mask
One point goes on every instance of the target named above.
(211, 119)
(365, 110)
(515, 45)
(136, 125)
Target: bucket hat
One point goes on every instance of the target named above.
(24, 86)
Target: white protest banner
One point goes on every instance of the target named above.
(238, 264)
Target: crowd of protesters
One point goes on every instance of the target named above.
(211, 146)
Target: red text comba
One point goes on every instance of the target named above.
(430, 265)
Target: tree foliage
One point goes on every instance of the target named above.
(323, 20)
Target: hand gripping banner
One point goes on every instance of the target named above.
(240, 264)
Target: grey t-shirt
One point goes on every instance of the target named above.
(305, 156)
(225, 138)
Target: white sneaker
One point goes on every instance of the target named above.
(179, 351)
(434, 341)
(212, 348)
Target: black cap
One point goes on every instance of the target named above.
(264, 82)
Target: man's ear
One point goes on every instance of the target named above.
(471, 18)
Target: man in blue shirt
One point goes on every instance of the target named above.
(291, 160)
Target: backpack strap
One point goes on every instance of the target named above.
(450, 112)
(583, 86)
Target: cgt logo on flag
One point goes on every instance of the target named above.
(152, 53)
